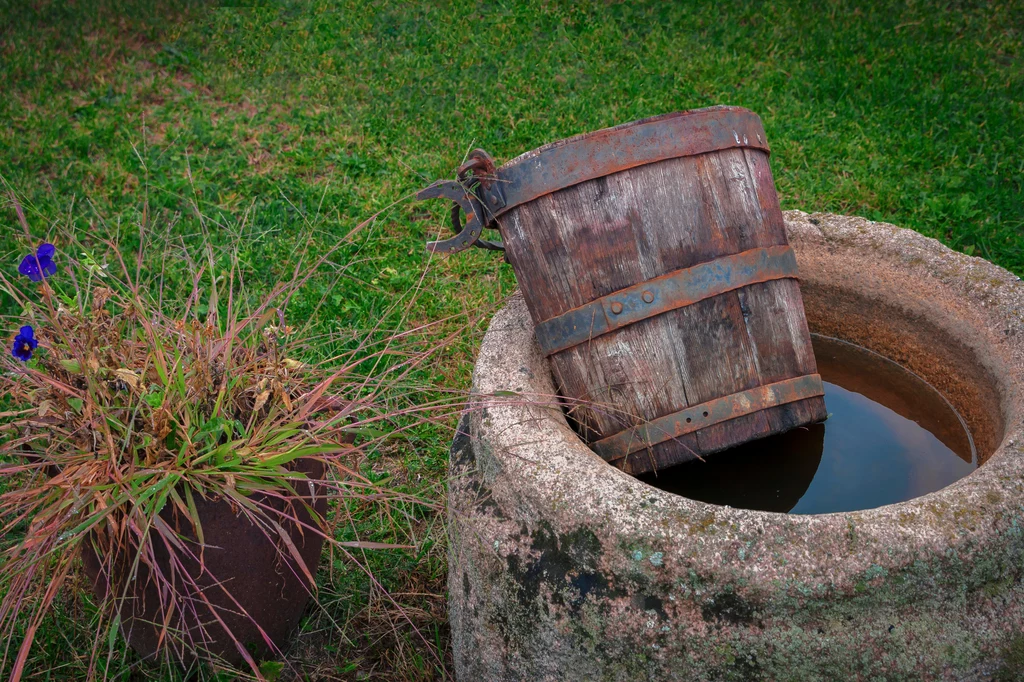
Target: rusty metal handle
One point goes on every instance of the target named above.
(475, 176)
(479, 243)
(467, 235)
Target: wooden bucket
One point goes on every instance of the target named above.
(654, 262)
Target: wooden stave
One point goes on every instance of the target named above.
(757, 198)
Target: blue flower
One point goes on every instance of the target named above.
(39, 266)
(24, 343)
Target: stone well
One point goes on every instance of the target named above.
(564, 568)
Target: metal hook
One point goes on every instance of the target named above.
(464, 195)
(448, 189)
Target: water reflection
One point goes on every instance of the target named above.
(890, 437)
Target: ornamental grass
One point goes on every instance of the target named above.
(120, 403)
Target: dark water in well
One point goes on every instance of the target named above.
(890, 437)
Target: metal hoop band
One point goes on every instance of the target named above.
(662, 294)
(707, 414)
(594, 155)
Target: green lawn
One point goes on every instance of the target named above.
(276, 125)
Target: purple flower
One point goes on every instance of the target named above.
(24, 343)
(39, 266)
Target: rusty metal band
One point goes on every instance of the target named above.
(708, 414)
(662, 294)
(594, 155)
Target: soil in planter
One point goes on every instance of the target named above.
(890, 437)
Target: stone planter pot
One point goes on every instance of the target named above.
(250, 579)
(564, 568)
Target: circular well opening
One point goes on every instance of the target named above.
(889, 437)
(912, 410)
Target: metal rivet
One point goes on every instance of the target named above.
(616, 308)
(648, 297)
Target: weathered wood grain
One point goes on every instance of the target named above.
(592, 239)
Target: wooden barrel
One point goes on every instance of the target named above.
(654, 262)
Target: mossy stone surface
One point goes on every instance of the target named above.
(564, 568)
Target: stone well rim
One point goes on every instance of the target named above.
(570, 475)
